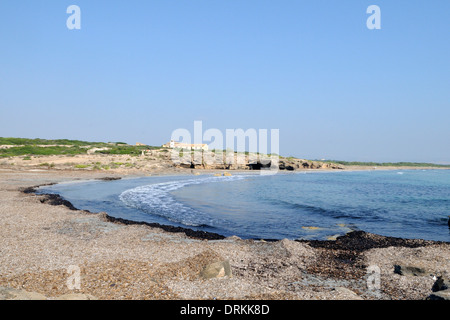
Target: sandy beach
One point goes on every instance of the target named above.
(49, 251)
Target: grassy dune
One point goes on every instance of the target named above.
(43, 147)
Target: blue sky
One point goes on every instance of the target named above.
(137, 70)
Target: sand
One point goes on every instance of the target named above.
(53, 251)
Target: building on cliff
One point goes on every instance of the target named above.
(178, 145)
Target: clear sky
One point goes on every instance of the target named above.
(137, 70)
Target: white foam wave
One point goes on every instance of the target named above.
(156, 199)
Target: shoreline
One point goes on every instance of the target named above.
(56, 200)
(122, 261)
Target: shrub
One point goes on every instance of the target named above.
(81, 166)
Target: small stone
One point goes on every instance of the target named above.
(233, 238)
(310, 228)
(347, 294)
(333, 238)
(440, 295)
(216, 270)
(409, 270)
(76, 296)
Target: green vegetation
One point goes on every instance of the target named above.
(42, 147)
(131, 150)
(46, 164)
(387, 164)
(81, 166)
(31, 150)
(36, 142)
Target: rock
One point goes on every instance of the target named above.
(216, 270)
(212, 161)
(15, 294)
(409, 270)
(76, 296)
(440, 284)
(233, 238)
(440, 295)
(311, 228)
(346, 294)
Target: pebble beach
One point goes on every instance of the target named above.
(51, 251)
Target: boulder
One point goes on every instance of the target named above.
(440, 295)
(440, 284)
(409, 270)
(16, 294)
(216, 270)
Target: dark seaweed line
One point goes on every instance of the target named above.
(201, 235)
(360, 241)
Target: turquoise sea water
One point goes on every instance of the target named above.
(312, 205)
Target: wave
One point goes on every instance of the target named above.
(369, 214)
(156, 199)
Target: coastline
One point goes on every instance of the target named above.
(116, 258)
(57, 200)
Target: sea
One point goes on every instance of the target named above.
(318, 205)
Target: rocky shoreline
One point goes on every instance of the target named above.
(42, 235)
